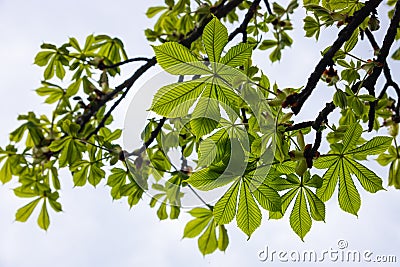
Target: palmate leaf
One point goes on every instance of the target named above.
(325, 162)
(84, 171)
(342, 166)
(204, 224)
(196, 226)
(252, 192)
(307, 205)
(215, 37)
(176, 59)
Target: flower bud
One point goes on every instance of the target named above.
(374, 23)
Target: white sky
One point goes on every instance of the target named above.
(95, 231)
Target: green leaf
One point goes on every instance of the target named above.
(215, 37)
(287, 198)
(200, 212)
(73, 88)
(196, 226)
(349, 198)
(351, 136)
(80, 173)
(116, 180)
(329, 182)
(208, 240)
(6, 171)
(60, 72)
(312, 27)
(25, 212)
(152, 11)
(214, 148)
(43, 57)
(238, 55)
(248, 216)
(396, 54)
(74, 43)
(325, 162)
(176, 59)
(49, 71)
(278, 9)
(54, 94)
(162, 211)
(223, 239)
(44, 219)
(317, 207)
(300, 219)
(206, 114)
(207, 179)
(376, 145)
(174, 100)
(385, 159)
(267, 44)
(96, 174)
(267, 197)
(225, 208)
(351, 43)
(368, 179)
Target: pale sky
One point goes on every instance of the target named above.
(95, 231)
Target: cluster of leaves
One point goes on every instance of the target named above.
(259, 185)
(48, 144)
(226, 117)
(281, 23)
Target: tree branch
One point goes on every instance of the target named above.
(266, 2)
(102, 66)
(326, 60)
(220, 11)
(386, 71)
(370, 82)
(243, 26)
(316, 125)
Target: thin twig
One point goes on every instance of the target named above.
(247, 18)
(199, 197)
(220, 11)
(268, 6)
(326, 60)
(102, 66)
